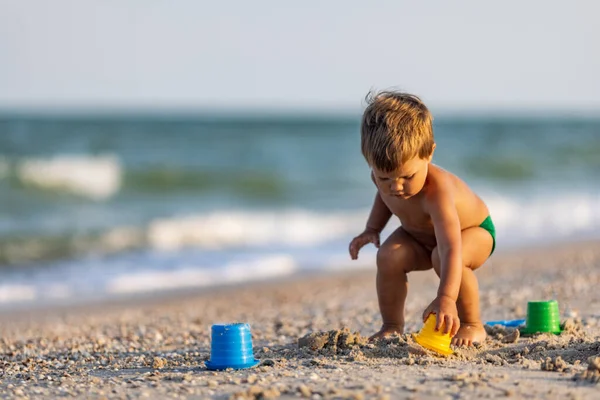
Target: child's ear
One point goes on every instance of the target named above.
(431, 155)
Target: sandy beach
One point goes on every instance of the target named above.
(170, 168)
(157, 348)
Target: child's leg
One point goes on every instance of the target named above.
(397, 256)
(476, 248)
(471, 328)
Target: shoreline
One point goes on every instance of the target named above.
(157, 348)
(15, 312)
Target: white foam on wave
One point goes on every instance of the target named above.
(140, 273)
(221, 230)
(14, 293)
(223, 248)
(188, 276)
(526, 220)
(96, 177)
(516, 219)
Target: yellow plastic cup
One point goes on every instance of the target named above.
(434, 340)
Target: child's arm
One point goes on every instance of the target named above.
(380, 213)
(442, 209)
(379, 217)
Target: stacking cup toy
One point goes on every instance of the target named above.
(542, 316)
(510, 323)
(434, 340)
(231, 347)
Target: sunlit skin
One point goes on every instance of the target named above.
(440, 218)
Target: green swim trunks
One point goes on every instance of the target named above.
(488, 225)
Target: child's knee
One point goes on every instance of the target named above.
(393, 259)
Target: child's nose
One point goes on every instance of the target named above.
(396, 186)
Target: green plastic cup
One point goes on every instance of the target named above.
(542, 317)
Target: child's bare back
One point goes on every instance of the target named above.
(444, 224)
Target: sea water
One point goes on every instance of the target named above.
(103, 206)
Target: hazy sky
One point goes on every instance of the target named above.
(309, 55)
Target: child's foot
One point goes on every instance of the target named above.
(469, 333)
(387, 331)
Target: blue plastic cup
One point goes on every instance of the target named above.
(231, 347)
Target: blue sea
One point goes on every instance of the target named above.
(97, 207)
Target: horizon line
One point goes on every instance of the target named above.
(282, 112)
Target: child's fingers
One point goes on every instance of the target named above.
(426, 313)
(455, 327)
(448, 324)
(439, 321)
(355, 246)
(352, 249)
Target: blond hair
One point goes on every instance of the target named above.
(396, 127)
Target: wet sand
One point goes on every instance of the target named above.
(157, 348)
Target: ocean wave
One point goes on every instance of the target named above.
(211, 231)
(221, 230)
(15, 293)
(144, 272)
(221, 248)
(95, 177)
(187, 276)
(545, 216)
(102, 177)
(518, 221)
(22, 250)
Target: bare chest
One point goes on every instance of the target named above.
(410, 212)
(413, 220)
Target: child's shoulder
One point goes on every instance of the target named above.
(447, 191)
(442, 180)
(443, 184)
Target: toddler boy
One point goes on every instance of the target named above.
(444, 224)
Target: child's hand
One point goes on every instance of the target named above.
(446, 313)
(368, 236)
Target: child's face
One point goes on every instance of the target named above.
(406, 181)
